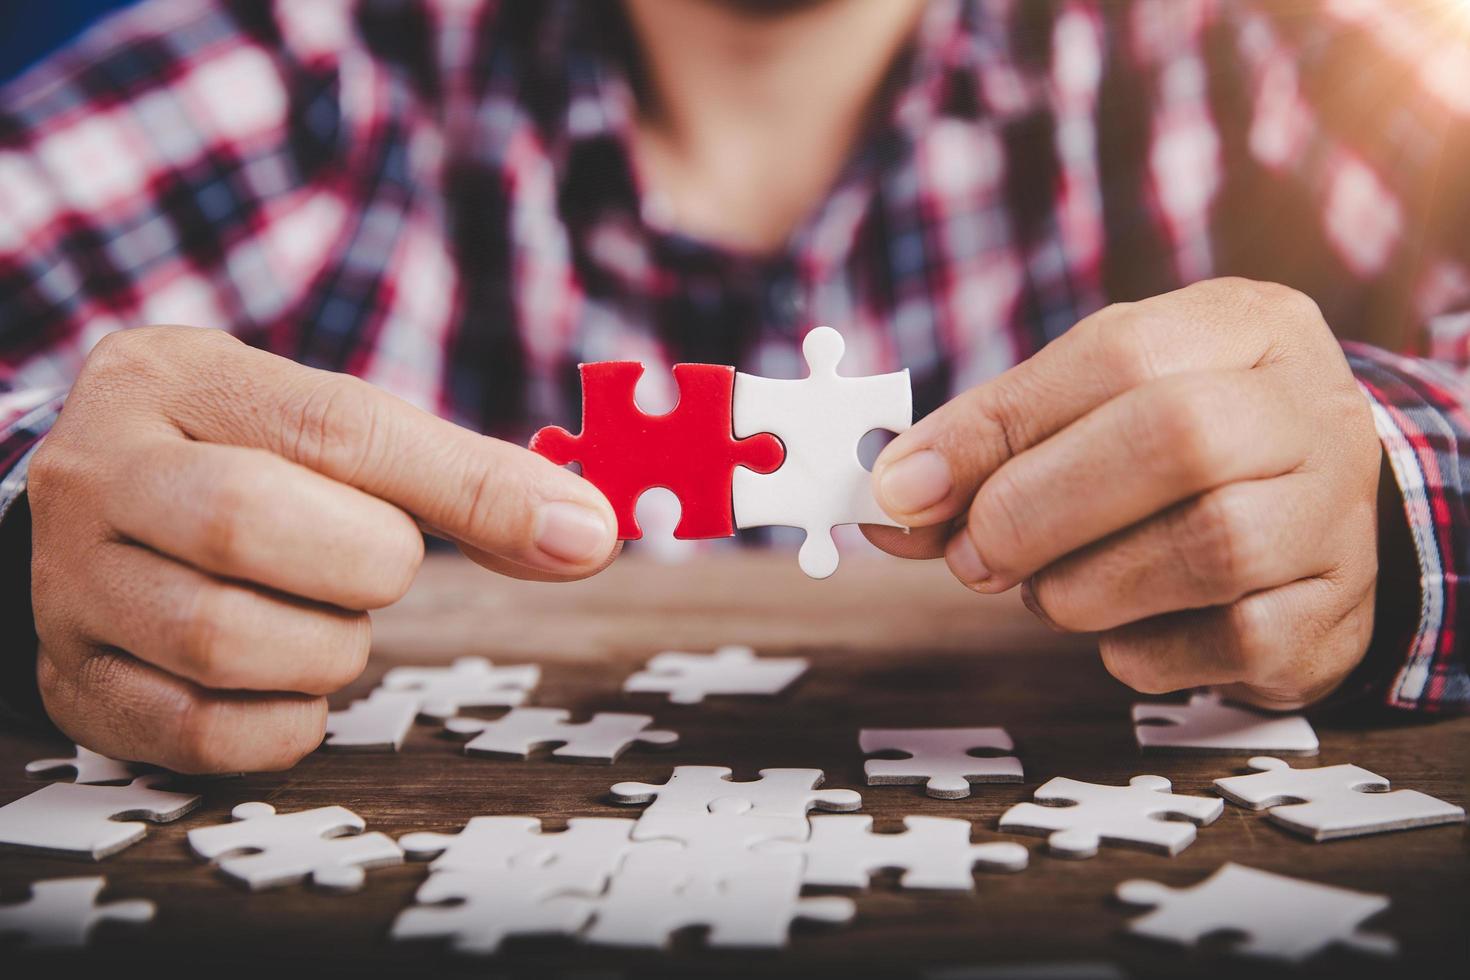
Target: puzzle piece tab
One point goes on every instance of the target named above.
(74, 820)
(780, 799)
(690, 451)
(933, 852)
(266, 849)
(940, 758)
(1208, 725)
(523, 730)
(688, 678)
(1334, 801)
(1132, 814)
(91, 768)
(470, 682)
(62, 912)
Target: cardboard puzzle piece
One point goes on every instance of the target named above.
(1281, 918)
(483, 908)
(820, 420)
(82, 821)
(690, 451)
(90, 768)
(591, 848)
(932, 852)
(62, 911)
(1333, 801)
(470, 682)
(940, 758)
(657, 894)
(377, 723)
(688, 678)
(779, 800)
(265, 849)
(1208, 725)
(521, 731)
(1083, 815)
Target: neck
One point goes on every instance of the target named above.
(752, 106)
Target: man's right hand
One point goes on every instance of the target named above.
(211, 523)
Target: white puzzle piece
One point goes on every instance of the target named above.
(266, 849)
(91, 768)
(779, 799)
(1051, 970)
(657, 894)
(1208, 725)
(483, 908)
(940, 758)
(1334, 801)
(820, 420)
(523, 730)
(591, 848)
(470, 682)
(1281, 918)
(689, 678)
(73, 820)
(62, 912)
(932, 852)
(1132, 814)
(377, 723)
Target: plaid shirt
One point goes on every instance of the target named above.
(438, 196)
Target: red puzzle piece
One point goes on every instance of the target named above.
(691, 451)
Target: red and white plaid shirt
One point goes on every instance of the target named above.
(438, 197)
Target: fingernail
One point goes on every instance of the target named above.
(916, 482)
(571, 532)
(965, 561)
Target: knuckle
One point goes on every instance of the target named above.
(1181, 433)
(197, 745)
(203, 636)
(224, 532)
(346, 655)
(332, 427)
(402, 553)
(1216, 546)
(1126, 340)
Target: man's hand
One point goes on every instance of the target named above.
(211, 523)
(1194, 477)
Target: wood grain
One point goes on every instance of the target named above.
(892, 644)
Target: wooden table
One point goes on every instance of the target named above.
(892, 644)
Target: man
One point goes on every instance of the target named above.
(457, 202)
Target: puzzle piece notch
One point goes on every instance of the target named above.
(690, 451)
(688, 678)
(1330, 802)
(1281, 918)
(377, 723)
(1207, 724)
(590, 847)
(820, 419)
(940, 758)
(265, 849)
(1083, 815)
(90, 768)
(469, 682)
(493, 905)
(91, 822)
(61, 912)
(603, 738)
(771, 806)
(932, 852)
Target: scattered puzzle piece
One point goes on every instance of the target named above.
(932, 852)
(820, 420)
(1132, 814)
(780, 798)
(1333, 801)
(591, 847)
(690, 451)
(1207, 724)
(82, 821)
(523, 730)
(91, 768)
(378, 723)
(62, 912)
(940, 758)
(470, 682)
(288, 847)
(490, 906)
(1280, 917)
(689, 678)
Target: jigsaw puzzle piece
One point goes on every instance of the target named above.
(62, 912)
(940, 758)
(820, 420)
(521, 731)
(688, 678)
(91, 768)
(1208, 725)
(690, 451)
(470, 682)
(478, 910)
(1280, 917)
(1330, 802)
(590, 846)
(932, 852)
(1083, 815)
(265, 849)
(83, 821)
(780, 798)
(377, 723)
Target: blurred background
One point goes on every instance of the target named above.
(30, 31)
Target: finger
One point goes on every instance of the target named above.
(119, 706)
(248, 514)
(949, 453)
(219, 634)
(1135, 455)
(920, 543)
(489, 494)
(1208, 551)
(1288, 644)
(510, 569)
